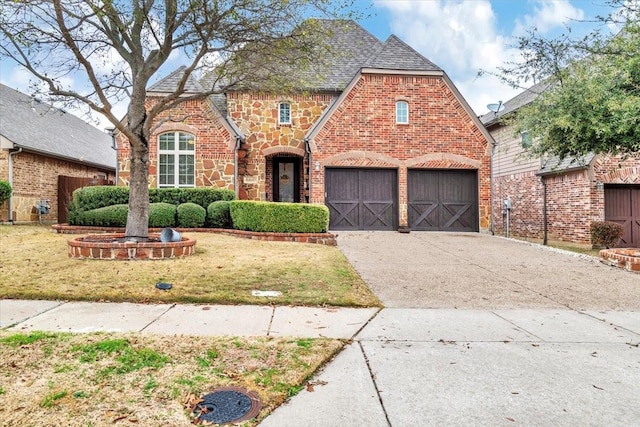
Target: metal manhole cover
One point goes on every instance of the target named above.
(226, 405)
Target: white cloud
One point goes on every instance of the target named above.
(549, 15)
(461, 38)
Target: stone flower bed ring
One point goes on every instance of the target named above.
(115, 246)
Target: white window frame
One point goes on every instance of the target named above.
(176, 152)
(280, 108)
(402, 112)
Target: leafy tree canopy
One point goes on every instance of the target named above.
(115, 47)
(589, 89)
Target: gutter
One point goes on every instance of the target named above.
(11, 154)
(235, 167)
(544, 211)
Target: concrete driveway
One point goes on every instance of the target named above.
(480, 331)
(470, 270)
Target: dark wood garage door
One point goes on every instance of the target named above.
(622, 205)
(443, 200)
(362, 199)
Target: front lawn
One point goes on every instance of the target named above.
(98, 379)
(224, 270)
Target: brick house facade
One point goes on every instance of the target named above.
(39, 144)
(343, 142)
(569, 194)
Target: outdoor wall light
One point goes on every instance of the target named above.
(317, 166)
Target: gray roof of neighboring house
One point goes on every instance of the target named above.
(39, 127)
(555, 165)
(520, 100)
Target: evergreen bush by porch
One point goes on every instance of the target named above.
(191, 215)
(162, 215)
(218, 214)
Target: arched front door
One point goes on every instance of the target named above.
(286, 179)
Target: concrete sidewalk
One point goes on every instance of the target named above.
(412, 366)
(185, 319)
(433, 367)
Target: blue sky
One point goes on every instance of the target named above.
(461, 37)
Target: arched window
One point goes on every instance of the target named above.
(402, 112)
(176, 160)
(284, 113)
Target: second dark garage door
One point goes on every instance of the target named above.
(443, 200)
(362, 199)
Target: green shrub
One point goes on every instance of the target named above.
(279, 217)
(99, 196)
(108, 216)
(5, 191)
(162, 215)
(218, 214)
(191, 215)
(605, 233)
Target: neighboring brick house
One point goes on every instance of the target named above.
(383, 138)
(570, 193)
(44, 150)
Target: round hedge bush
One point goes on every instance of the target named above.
(219, 215)
(5, 191)
(191, 215)
(162, 215)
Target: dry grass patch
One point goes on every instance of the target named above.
(102, 379)
(34, 265)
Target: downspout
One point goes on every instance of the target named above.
(235, 167)
(491, 195)
(544, 211)
(307, 149)
(11, 154)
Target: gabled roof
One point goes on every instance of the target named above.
(397, 55)
(170, 83)
(38, 127)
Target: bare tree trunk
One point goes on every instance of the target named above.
(138, 215)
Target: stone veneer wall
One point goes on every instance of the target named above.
(257, 117)
(35, 177)
(363, 132)
(214, 146)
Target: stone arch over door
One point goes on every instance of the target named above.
(286, 178)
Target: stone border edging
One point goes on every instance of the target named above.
(328, 239)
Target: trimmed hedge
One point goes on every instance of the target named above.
(605, 233)
(219, 215)
(279, 217)
(107, 216)
(89, 198)
(191, 215)
(99, 196)
(162, 215)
